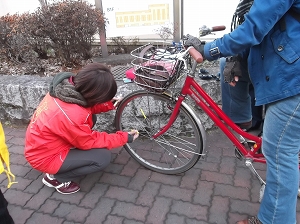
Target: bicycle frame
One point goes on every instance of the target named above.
(205, 102)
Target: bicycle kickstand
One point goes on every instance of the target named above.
(249, 164)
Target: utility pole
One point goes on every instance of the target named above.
(177, 6)
(102, 33)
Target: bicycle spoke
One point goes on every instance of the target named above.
(175, 150)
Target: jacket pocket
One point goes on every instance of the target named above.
(285, 46)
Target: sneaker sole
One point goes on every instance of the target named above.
(47, 183)
(67, 193)
(50, 185)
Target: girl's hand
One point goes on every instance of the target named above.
(134, 133)
(116, 101)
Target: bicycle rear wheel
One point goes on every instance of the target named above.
(177, 150)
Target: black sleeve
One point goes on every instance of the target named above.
(130, 138)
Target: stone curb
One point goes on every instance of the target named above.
(20, 96)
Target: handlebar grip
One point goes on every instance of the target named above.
(196, 55)
(218, 28)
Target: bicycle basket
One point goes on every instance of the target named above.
(154, 68)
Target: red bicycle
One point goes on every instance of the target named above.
(172, 137)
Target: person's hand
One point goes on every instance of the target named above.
(134, 133)
(117, 100)
(233, 82)
(232, 70)
(196, 43)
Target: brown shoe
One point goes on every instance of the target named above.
(252, 220)
(63, 188)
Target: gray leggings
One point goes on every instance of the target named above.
(82, 162)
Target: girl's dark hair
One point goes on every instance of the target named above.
(95, 83)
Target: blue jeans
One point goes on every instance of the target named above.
(238, 102)
(281, 145)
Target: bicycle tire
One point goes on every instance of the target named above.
(177, 150)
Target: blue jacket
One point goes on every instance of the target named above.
(273, 61)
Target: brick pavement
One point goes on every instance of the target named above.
(219, 189)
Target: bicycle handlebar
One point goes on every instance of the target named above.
(195, 54)
(218, 28)
(204, 30)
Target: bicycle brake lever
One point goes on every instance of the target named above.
(204, 30)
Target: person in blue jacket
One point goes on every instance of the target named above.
(271, 31)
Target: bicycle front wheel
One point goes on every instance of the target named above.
(177, 150)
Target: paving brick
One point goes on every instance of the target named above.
(219, 209)
(44, 218)
(100, 212)
(18, 141)
(17, 197)
(49, 206)
(216, 177)
(218, 189)
(147, 195)
(232, 192)
(38, 199)
(130, 168)
(20, 171)
(127, 221)
(203, 193)
(130, 211)
(92, 197)
(176, 193)
(228, 151)
(114, 179)
(21, 184)
(121, 194)
(16, 133)
(203, 165)
(34, 174)
(17, 159)
(195, 221)
(190, 210)
(243, 207)
(89, 181)
(171, 219)
(242, 177)
(72, 212)
(122, 158)
(139, 179)
(114, 168)
(113, 220)
(34, 186)
(227, 165)
(19, 214)
(67, 198)
(166, 179)
(235, 217)
(190, 179)
(214, 154)
(160, 208)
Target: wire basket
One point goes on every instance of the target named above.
(155, 67)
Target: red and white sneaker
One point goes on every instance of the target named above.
(64, 188)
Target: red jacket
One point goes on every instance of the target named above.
(57, 126)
